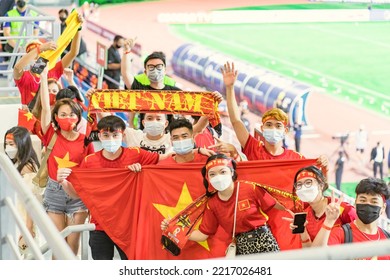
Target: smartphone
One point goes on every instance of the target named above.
(39, 65)
(299, 221)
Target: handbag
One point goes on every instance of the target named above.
(42, 176)
(232, 248)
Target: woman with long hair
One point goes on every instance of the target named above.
(18, 147)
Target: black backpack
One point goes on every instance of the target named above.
(348, 233)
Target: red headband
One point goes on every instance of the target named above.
(305, 174)
(273, 118)
(219, 162)
(10, 136)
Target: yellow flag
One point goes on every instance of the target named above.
(72, 26)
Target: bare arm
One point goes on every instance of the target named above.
(29, 57)
(198, 236)
(114, 66)
(73, 52)
(45, 101)
(127, 76)
(7, 33)
(229, 78)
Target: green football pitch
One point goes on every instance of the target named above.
(349, 60)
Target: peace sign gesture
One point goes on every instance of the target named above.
(332, 210)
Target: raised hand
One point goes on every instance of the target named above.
(229, 74)
(332, 210)
(129, 43)
(48, 46)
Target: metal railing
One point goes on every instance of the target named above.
(12, 185)
(48, 31)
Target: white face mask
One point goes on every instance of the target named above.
(154, 128)
(308, 194)
(183, 147)
(155, 75)
(273, 136)
(111, 146)
(221, 182)
(11, 151)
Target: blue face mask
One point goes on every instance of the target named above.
(111, 146)
(273, 136)
(182, 147)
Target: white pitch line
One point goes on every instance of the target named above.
(256, 52)
(380, 44)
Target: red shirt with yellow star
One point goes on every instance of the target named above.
(347, 215)
(171, 160)
(129, 156)
(253, 202)
(337, 237)
(28, 84)
(255, 150)
(65, 153)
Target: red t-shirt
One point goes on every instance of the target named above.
(347, 215)
(205, 139)
(129, 156)
(255, 150)
(65, 153)
(253, 202)
(170, 160)
(28, 84)
(337, 237)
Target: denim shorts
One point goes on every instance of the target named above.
(56, 200)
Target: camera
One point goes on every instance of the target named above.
(343, 138)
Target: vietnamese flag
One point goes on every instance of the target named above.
(26, 119)
(166, 191)
(112, 196)
(130, 206)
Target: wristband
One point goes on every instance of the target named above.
(80, 28)
(305, 241)
(326, 227)
(127, 52)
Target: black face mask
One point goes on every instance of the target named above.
(62, 19)
(368, 213)
(118, 46)
(21, 3)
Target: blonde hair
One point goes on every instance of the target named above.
(276, 114)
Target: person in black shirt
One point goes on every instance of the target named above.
(114, 63)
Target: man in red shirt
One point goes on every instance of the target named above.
(183, 143)
(274, 129)
(113, 155)
(371, 196)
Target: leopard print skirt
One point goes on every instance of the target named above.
(260, 240)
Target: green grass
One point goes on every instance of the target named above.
(317, 6)
(348, 60)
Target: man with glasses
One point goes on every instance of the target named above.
(153, 78)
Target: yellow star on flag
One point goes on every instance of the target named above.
(64, 162)
(29, 116)
(184, 200)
